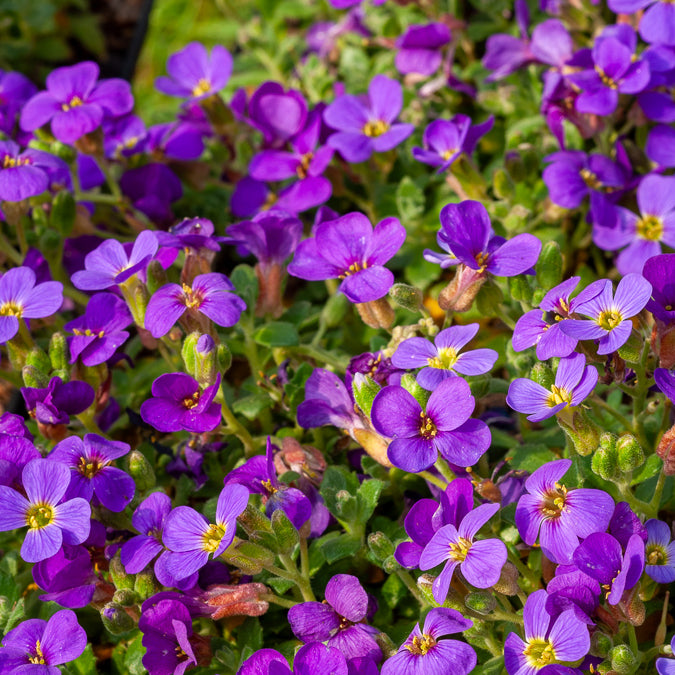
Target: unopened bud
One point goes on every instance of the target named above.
(380, 545)
(631, 350)
(376, 313)
(666, 451)
(605, 462)
(37, 358)
(63, 213)
(623, 660)
(64, 151)
(630, 453)
(365, 389)
(116, 620)
(239, 600)
(224, 358)
(489, 298)
(549, 267)
(141, 471)
(125, 597)
(335, 310)
(390, 565)
(480, 602)
(156, 276)
(520, 289)
(284, 531)
(199, 357)
(58, 352)
(583, 432)
(542, 374)
(119, 575)
(146, 585)
(406, 296)
(601, 644)
(34, 378)
(508, 580)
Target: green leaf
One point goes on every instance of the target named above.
(342, 546)
(650, 468)
(368, 494)
(251, 406)
(277, 334)
(530, 456)
(246, 284)
(393, 590)
(409, 200)
(84, 664)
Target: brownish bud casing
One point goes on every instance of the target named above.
(242, 600)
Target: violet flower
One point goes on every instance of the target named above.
(572, 589)
(660, 145)
(560, 517)
(309, 660)
(339, 620)
(194, 234)
(547, 642)
(209, 296)
(659, 552)
(611, 316)
(67, 577)
(123, 136)
(443, 360)
(367, 126)
(425, 653)
(657, 24)
(15, 90)
(91, 473)
(191, 539)
(50, 520)
(419, 48)
(665, 381)
(179, 405)
(38, 646)
(574, 382)
(194, 74)
(179, 140)
(600, 556)
(55, 403)
(658, 271)
(21, 298)
(152, 188)
(350, 249)
(75, 103)
(667, 666)
(419, 435)
(98, 334)
(625, 523)
(480, 562)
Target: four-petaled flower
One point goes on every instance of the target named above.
(26, 173)
(659, 552)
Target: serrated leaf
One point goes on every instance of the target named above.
(409, 200)
(246, 284)
(368, 494)
(342, 546)
(277, 334)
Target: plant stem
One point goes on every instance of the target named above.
(410, 584)
(434, 480)
(234, 426)
(276, 600)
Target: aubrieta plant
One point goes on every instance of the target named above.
(368, 367)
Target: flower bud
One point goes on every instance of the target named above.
(666, 451)
(236, 600)
(409, 383)
(37, 358)
(376, 313)
(549, 267)
(542, 374)
(32, 377)
(59, 353)
(390, 565)
(502, 184)
(63, 213)
(425, 583)
(156, 276)
(623, 660)
(141, 471)
(116, 620)
(605, 462)
(520, 289)
(146, 585)
(583, 433)
(285, 532)
(373, 444)
(508, 580)
(199, 357)
(460, 293)
(335, 310)
(223, 357)
(489, 298)
(380, 546)
(365, 389)
(125, 597)
(249, 557)
(118, 574)
(631, 350)
(601, 644)
(480, 602)
(630, 453)
(406, 296)
(62, 150)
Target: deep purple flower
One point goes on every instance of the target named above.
(21, 298)
(338, 620)
(659, 552)
(424, 653)
(572, 589)
(37, 647)
(152, 188)
(560, 517)
(24, 174)
(442, 359)
(611, 316)
(91, 472)
(419, 435)
(618, 227)
(178, 404)
(547, 642)
(480, 562)
(67, 577)
(98, 334)
(16, 448)
(659, 271)
(350, 249)
(191, 539)
(194, 234)
(111, 263)
(50, 520)
(445, 140)
(209, 296)
(665, 381)
(311, 659)
(657, 25)
(419, 48)
(124, 136)
(180, 140)
(600, 556)
(574, 382)
(660, 145)
(15, 90)
(667, 666)
(194, 74)
(75, 103)
(55, 403)
(625, 523)
(367, 126)
(322, 36)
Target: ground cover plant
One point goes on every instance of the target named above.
(350, 349)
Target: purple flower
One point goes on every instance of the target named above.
(625, 523)
(547, 642)
(574, 381)
(50, 520)
(180, 140)
(25, 174)
(75, 103)
(444, 141)
(178, 405)
(419, 48)
(640, 235)
(91, 475)
(419, 435)
(660, 145)
(560, 517)
(257, 474)
(657, 24)
(68, 577)
(659, 552)
(480, 562)
(55, 403)
(600, 557)
(191, 539)
(424, 653)
(111, 263)
(350, 249)
(442, 359)
(98, 334)
(21, 298)
(338, 620)
(152, 188)
(309, 660)
(37, 646)
(124, 136)
(367, 126)
(15, 90)
(194, 234)
(194, 74)
(667, 666)
(611, 316)
(658, 271)
(665, 381)
(572, 589)
(209, 296)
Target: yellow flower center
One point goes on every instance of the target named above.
(650, 228)
(421, 644)
(190, 402)
(427, 427)
(89, 467)
(554, 502)
(87, 333)
(609, 319)
(590, 179)
(10, 162)
(446, 359)
(655, 555)
(448, 154)
(267, 484)
(202, 87)
(11, 309)
(354, 268)
(74, 102)
(191, 299)
(303, 167)
(459, 550)
(539, 653)
(482, 259)
(212, 537)
(39, 657)
(375, 128)
(39, 516)
(558, 395)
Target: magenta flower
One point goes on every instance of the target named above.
(67, 577)
(75, 103)
(348, 248)
(179, 405)
(367, 126)
(24, 174)
(419, 48)
(419, 435)
(480, 562)
(558, 516)
(425, 653)
(21, 298)
(210, 296)
(50, 520)
(657, 25)
(194, 74)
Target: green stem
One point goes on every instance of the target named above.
(234, 426)
(444, 470)
(298, 579)
(320, 355)
(304, 558)
(531, 577)
(656, 499)
(410, 584)
(21, 235)
(276, 600)
(632, 637)
(434, 480)
(614, 413)
(9, 250)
